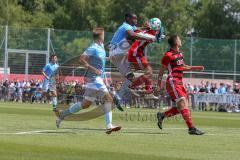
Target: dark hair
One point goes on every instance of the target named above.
(52, 56)
(97, 32)
(172, 40)
(129, 15)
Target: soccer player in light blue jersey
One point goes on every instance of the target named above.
(49, 84)
(119, 46)
(94, 59)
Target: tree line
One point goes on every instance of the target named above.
(204, 18)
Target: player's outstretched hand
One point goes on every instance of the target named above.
(98, 72)
(162, 36)
(197, 68)
(202, 68)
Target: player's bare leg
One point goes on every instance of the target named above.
(61, 114)
(182, 108)
(107, 108)
(53, 94)
(120, 61)
(146, 79)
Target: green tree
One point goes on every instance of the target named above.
(177, 16)
(218, 19)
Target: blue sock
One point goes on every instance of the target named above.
(73, 109)
(54, 102)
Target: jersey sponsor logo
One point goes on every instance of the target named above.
(180, 62)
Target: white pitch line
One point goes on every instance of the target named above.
(122, 133)
(179, 128)
(33, 132)
(123, 129)
(151, 128)
(42, 131)
(7, 133)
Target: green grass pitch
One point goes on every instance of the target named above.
(28, 132)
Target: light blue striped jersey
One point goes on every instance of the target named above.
(121, 32)
(50, 69)
(96, 58)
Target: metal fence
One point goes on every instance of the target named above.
(26, 50)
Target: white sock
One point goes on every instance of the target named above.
(54, 102)
(108, 119)
(107, 109)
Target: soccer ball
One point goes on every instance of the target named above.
(155, 23)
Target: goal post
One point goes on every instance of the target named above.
(26, 53)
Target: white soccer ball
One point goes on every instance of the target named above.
(155, 23)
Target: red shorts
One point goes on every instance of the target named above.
(139, 63)
(176, 91)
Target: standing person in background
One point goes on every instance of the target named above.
(5, 90)
(190, 92)
(229, 89)
(50, 76)
(208, 87)
(236, 88)
(222, 89)
(202, 105)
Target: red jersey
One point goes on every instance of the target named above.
(174, 62)
(137, 48)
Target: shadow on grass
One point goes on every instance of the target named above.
(121, 131)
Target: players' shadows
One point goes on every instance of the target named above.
(144, 133)
(122, 131)
(87, 129)
(70, 131)
(55, 132)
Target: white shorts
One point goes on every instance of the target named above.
(121, 48)
(95, 90)
(49, 85)
(122, 64)
(118, 56)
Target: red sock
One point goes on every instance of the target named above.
(187, 117)
(137, 82)
(171, 112)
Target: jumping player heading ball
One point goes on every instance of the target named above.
(138, 59)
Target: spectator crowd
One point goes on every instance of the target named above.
(214, 88)
(72, 91)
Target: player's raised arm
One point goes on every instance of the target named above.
(137, 36)
(193, 68)
(164, 63)
(153, 24)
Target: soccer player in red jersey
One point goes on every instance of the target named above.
(138, 61)
(173, 62)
